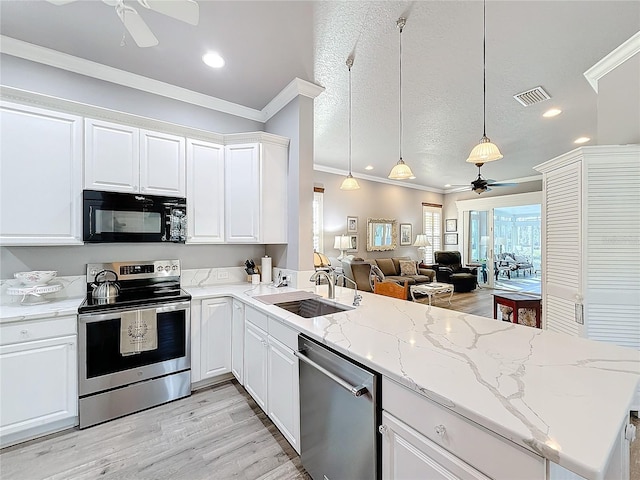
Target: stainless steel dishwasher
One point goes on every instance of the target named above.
(340, 410)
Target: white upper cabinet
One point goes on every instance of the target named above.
(205, 192)
(256, 191)
(121, 158)
(41, 176)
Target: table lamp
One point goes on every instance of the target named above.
(342, 243)
(422, 243)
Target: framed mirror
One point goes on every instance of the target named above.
(381, 234)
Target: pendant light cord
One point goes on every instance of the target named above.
(484, 68)
(400, 26)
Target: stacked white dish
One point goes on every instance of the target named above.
(35, 285)
(36, 277)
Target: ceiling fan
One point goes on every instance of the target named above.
(481, 185)
(185, 10)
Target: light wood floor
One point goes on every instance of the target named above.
(217, 433)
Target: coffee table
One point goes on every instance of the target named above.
(431, 289)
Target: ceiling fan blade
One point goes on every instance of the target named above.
(61, 2)
(502, 184)
(137, 28)
(186, 10)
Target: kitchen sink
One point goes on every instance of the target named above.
(312, 307)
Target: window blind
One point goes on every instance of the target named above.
(318, 244)
(432, 219)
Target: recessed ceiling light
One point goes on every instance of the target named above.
(412, 177)
(213, 59)
(447, 185)
(581, 140)
(552, 112)
(369, 167)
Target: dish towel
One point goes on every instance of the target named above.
(138, 332)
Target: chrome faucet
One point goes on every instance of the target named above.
(330, 280)
(356, 297)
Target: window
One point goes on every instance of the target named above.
(318, 233)
(432, 219)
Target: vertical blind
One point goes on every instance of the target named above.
(432, 219)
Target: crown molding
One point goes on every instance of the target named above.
(53, 58)
(255, 137)
(371, 178)
(616, 58)
(296, 87)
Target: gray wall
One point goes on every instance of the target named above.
(374, 200)
(72, 260)
(619, 104)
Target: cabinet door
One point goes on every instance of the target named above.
(215, 338)
(255, 363)
(162, 164)
(41, 181)
(205, 192)
(237, 341)
(407, 455)
(284, 392)
(242, 193)
(111, 156)
(38, 381)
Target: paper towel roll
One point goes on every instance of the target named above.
(266, 269)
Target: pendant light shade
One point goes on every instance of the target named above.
(485, 151)
(401, 171)
(349, 183)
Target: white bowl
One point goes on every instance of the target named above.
(35, 278)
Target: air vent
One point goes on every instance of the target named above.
(535, 95)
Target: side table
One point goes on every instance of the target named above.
(518, 308)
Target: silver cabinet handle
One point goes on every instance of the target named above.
(355, 390)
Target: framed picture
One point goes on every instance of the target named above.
(405, 234)
(450, 238)
(451, 225)
(352, 224)
(354, 243)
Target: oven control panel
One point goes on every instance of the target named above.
(135, 270)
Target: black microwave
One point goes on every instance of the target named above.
(110, 217)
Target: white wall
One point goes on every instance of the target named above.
(374, 200)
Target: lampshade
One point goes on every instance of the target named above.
(349, 183)
(401, 171)
(342, 243)
(484, 152)
(421, 241)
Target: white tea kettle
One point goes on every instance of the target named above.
(105, 289)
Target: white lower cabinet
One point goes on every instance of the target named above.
(271, 371)
(440, 443)
(407, 455)
(40, 357)
(210, 338)
(237, 341)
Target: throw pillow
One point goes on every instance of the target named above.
(408, 268)
(386, 266)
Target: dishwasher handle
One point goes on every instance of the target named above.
(355, 390)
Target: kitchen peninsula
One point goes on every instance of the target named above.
(526, 395)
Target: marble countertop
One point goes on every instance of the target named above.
(562, 397)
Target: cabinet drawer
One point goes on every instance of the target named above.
(37, 329)
(256, 317)
(493, 455)
(284, 334)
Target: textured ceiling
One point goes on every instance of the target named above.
(266, 44)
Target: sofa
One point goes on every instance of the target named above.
(511, 262)
(396, 269)
(449, 269)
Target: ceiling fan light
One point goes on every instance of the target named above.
(213, 60)
(401, 171)
(484, 152)
(349, 183)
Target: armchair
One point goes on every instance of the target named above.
(449, 269)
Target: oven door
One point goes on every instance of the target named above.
(105, 362)
(110, 217)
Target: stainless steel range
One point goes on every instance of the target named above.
(133, 339)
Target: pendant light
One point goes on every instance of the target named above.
(349, 183)
(401, 170)
(485, 151)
